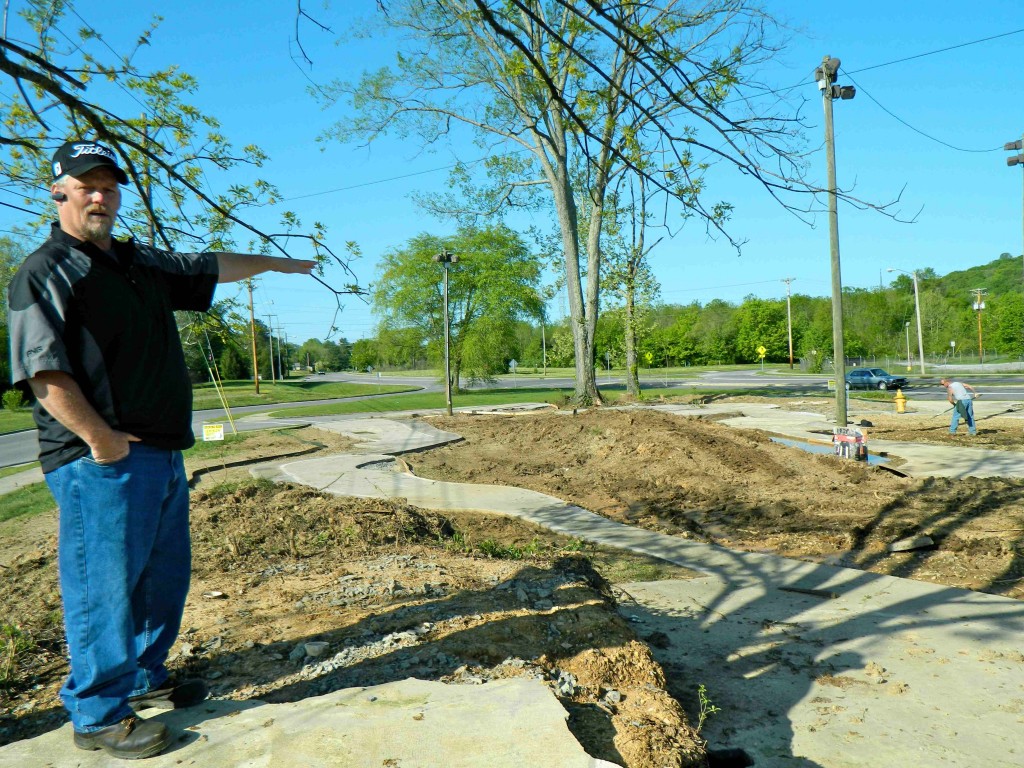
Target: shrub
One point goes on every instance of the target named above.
(13, 399)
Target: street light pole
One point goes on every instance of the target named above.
(1016, 146)
(906, 327)
(446, 258)
(917, 311)
(789, 321)
(920, 333)
(825, 75)
(270, 353)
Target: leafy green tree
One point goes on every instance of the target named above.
(1008, 315)
(761, 323)
(714, 333)
(364, 354)
(61, 76)
(12, 252)
(400, 346)
(233, 364)
(570, 94)
(494, 284)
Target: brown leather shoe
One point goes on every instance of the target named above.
(130, 739)
(172, 695)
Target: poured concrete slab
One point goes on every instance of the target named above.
(513, 723)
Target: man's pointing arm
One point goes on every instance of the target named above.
(239, 266)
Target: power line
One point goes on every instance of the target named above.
(860, 89)
(381, 181)
(774, 92)
(936, 51)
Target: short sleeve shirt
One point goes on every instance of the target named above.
(107, 320)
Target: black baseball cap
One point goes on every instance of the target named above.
(75, 158)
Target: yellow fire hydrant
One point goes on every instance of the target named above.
(901, 401)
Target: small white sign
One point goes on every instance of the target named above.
(213, 432)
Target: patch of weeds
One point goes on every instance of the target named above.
(621, 567)
(707, 708)
(457, 542)
(534, 548)
(574, 545)
(16, 644)
(494, 549)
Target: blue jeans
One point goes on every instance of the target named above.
(125, 559)
(968, 406)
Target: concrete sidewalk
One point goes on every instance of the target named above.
(811, 665)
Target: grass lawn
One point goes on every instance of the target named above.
(29, 500)
(8, 471)
(432, 400)
(239, 393)
(15, 421)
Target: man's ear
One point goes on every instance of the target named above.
(57, 194)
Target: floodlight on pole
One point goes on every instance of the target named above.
(825, 75)
(446, 258)
(917, 310)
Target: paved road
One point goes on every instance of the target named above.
(20, 448)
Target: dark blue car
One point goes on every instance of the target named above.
(874, 378)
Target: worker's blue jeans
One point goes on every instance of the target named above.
(968, 406)
(124, 560)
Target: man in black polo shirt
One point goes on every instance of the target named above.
(93, 333)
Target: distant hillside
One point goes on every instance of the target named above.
(997, 278)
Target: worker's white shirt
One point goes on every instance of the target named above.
(958, 391)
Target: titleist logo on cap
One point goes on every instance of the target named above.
(91, 149)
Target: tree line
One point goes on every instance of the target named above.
(719, 332)
(496, 304)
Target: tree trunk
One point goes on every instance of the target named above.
(632, 369)
(581, 316)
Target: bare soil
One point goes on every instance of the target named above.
(394, 591)
(696, 478)
(397, 591)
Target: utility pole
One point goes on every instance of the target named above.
(789, 320)
(825, 76)
(978, 306)
(252, 335)
(1016, 146)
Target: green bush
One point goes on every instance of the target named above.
(13, 400)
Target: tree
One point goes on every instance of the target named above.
(234, 365)
(494, 283)
(57, 75)
(714, 333)
(12, 252)
(364, 354)
(1009, 325)
(761, 323)
(570, 94)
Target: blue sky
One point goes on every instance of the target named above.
(968, 204)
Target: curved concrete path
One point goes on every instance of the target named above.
(811, 665)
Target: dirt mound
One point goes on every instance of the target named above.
(693, 477)
(391, 591)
